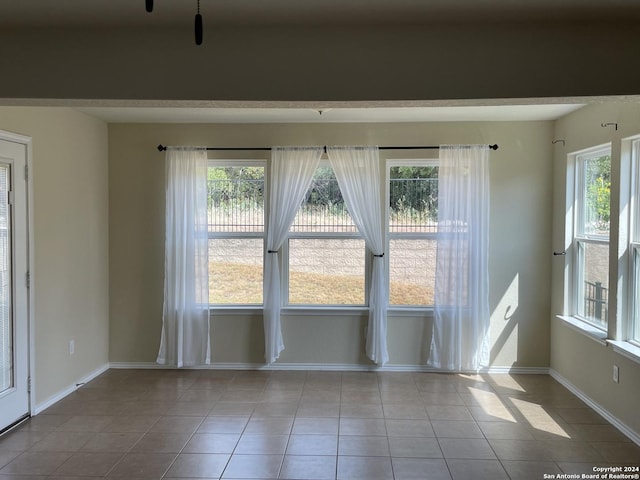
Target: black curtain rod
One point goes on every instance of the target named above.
(162, 148)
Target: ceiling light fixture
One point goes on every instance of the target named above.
(198, 26)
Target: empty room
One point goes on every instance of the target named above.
(316, 240)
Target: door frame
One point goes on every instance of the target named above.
(27, 142)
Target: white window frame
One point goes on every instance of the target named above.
(328, 306)
(578, 237)
(320, 308)
(634, 247)
(242, 308)
(622, 335)
(413, 162)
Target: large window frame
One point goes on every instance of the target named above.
(582, 240)
(237, 235)
(286, 264)
(324, 309)
(410, 309)
(632, 327)
(622, 331)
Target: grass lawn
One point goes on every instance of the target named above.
(231, 283)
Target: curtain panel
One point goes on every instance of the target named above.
(185, 320)
(460, 340)
(292, 170)
(357, 171)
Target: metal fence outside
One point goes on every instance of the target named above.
(413, 205)
(324, 210)
(596, 298)
(236, 205)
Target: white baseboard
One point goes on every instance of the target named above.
(251, 366)
(138, 366)
(517, 370)
(331, 367)
(613, 420)
(40, 407)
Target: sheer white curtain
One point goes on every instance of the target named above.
(185, 318)
(460, 339)
(292, 170)
(357, 170)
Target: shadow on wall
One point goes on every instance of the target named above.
(504, 323)
(504, 318)
(426, 340)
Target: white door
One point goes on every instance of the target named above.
(14, 328)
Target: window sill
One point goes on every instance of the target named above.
(250, 310)
(626, 349)
(247, 310)
(584, 328)
(421, 312)
(304, 311)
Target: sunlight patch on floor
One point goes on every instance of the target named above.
(539, 418)
(488, 406)
(507, 381)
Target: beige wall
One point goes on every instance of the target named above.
(437, 61)
(521, 192)
(70, 230)
(588, 365)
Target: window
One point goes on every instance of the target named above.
(236, 232)
(325, 254)
(634, 245)
(591, 236)
(412, 227)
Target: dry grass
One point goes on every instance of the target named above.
(232, 283)
(316, 289)
(401, 293)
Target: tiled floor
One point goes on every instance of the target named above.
(169, 424)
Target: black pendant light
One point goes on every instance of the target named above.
(198, 26)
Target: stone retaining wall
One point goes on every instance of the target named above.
(411, 262)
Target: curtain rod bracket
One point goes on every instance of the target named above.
(604, 125)
(553, 142)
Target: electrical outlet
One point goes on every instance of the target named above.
(616, 374)
(72, 347)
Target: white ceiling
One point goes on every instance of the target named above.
(501, 113)
(179, 13)
(132, 13)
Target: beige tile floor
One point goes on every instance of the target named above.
(208, 424)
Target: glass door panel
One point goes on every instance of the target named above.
(14, 295)
(6, 317)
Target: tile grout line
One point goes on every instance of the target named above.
(386, 430)
(241, 434)
(295, 416)
(183, 447)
